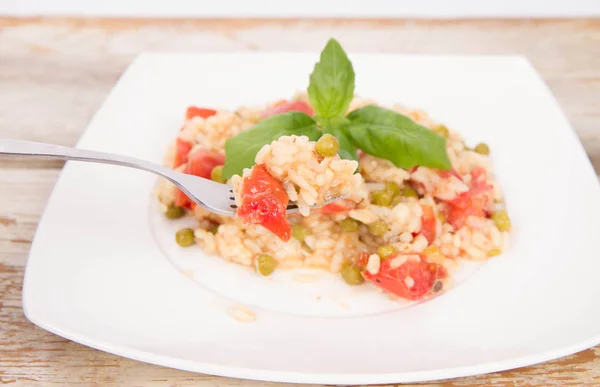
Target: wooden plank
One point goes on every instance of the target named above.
(65, 67)
(55, 73)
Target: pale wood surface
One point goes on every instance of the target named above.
(54, 74)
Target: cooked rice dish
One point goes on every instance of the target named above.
(402, 230)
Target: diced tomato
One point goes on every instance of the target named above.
(288, 106)
(473, 202)
(447, 174)
(337, 207)
(428, 223)
(363, 260)
(200, 163)
(194, 111)
(479, 181)
(182, 148)
(264, 202)
(413, 280)
(181, 200)
(457, 216)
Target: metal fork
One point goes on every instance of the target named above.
(215, 197)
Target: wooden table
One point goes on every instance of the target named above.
(54, 74)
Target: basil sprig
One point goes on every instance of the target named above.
(395, 137)
(331, 85)
(241, 150)
(377, 131)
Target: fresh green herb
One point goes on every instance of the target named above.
(241, 150)
(392, 136)
(331, 85)
(377, 131)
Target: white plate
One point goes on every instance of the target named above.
(98, 276)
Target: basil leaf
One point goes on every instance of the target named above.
(241, 150)
(331, 86)
(337, 128)
(392, 136)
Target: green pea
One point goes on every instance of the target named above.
(381, 198)
(442, 217)
(217, 174)
(307, 247)
(327, 145)
(494, 252)
(396, 200)
(265, 264)
(482, 149)
(442, 130)
(409, 192)
(385, 251)
(174, 212)
(433, 252)
(378, 228)
(214, 229)
(502, 220)
(185, 237)
(349, 225)
(300, 232)
(351, 274)
(392, 188)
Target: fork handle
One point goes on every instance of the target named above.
(36, 149)
(200, 190)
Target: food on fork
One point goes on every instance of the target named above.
(293, 168)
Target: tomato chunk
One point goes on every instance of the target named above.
(337, 207)
(194, 111)
(264, 202)
(288, 106)
(413, 279)
(200, 163)
(428, 223)
(447, 174)
(474, 202)
(362, 260)
(182, 148)
(457, 216)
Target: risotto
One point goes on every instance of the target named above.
(402, 229)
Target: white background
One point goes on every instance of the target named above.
(303, 8)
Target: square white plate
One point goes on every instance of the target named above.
(97, 274)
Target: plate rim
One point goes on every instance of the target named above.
(315, 378)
